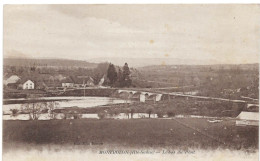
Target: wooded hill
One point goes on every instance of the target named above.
(48, 63)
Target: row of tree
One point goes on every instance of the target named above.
(120, 77)
(129, 112)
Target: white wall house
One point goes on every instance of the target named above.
(67, 85)
(142, 97)
(90, 81)
(28, 85)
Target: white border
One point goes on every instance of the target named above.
(3, 2)
(128, 1)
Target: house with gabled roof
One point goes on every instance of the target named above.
(90, 81)
(84, 81)
(67, 83)
(29, 84)
(12, 80)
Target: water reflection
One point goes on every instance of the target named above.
(60, 116)
(43, 110)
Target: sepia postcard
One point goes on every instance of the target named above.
(137, 82)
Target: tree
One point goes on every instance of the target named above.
(99, 72)
(51, 107)
(132, 111)
(101, 68)
(34, 109)
(13, 69)
(97, 78)
(126, 76)
(170, 113)
(113, 112)
(149, 111)
(120, 78)
(20, 71)
(14, 112)
(159, 113)
(127, 111)
(111, 74)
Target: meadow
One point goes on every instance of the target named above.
(176, 133)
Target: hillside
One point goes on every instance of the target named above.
(48, 63)
(142, 62)
(178, 75)
(195, 67)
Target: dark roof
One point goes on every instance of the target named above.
(67, 80)
(23, 80)
(81, 79)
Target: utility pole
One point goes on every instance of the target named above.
(84, 86)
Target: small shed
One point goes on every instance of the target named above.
(248, 118)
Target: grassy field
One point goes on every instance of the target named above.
(133, 133)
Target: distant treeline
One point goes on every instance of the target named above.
(48, 63)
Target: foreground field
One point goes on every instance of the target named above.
(175, 133)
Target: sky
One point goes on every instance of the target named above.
(228, 34)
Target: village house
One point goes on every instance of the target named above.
(12, 81)
(90, 81)
(67, 83)
(77, 82)
(82, 81)
(28, 84)
(102, 80)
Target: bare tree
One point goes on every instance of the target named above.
(132, 111)
(127, 112)
(149, 111)
(51, 107)
(34, 109)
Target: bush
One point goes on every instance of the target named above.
(63, 116)
(101, 115)
(67, 116)
(14, 112)
(45, 110)
(170, 113)
(159, 114)
(77, 116)
(113, 112)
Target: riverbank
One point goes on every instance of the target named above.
(107, 107)
(95, 92)
(177, 106)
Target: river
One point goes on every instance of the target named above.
(64, 102)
